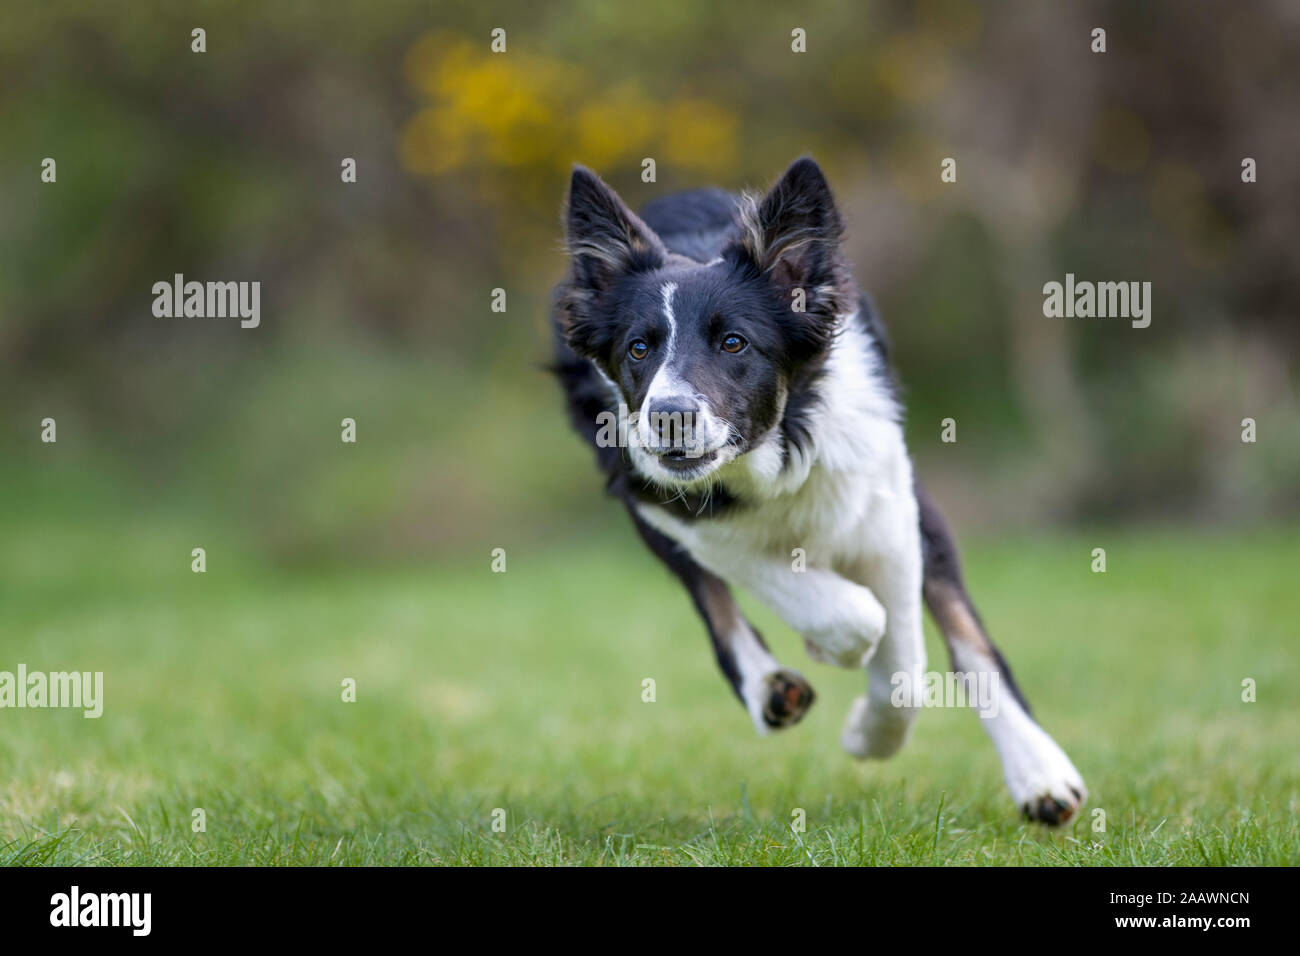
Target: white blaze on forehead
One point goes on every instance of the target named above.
(668, 383)
(667, 294)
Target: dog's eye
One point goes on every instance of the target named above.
(638, 350)
(733, 343)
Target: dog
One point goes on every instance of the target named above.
(736, 387)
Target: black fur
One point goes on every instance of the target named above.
(693, 224)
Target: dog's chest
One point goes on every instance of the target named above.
(846, 510)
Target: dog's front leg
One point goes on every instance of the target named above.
(774, 696)
(841, 621)
(879, 722)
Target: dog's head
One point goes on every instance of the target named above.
(704, 354)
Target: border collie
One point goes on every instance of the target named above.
(736, 387)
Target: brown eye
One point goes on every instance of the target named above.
(638, 350)
(733, 343)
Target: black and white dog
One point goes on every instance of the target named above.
(764, 447)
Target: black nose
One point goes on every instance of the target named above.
(672, 421)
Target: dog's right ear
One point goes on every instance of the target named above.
(604, 237)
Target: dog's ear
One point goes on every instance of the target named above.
(792, 238)
(605, 240)
(604, 237)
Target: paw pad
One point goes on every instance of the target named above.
(788, 699)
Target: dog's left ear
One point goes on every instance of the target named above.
(792, 237)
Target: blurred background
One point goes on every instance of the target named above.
(370, 561)
(376, 295)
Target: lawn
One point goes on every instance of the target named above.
(522, 692)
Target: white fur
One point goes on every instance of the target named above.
(667, 381)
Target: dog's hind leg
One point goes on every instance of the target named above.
(774, 696)
(1041, 778)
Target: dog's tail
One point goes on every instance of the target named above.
(969, 646)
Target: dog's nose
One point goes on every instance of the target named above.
(673, 420)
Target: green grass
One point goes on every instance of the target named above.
(522, 691)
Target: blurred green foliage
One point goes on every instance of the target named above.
(225, 165)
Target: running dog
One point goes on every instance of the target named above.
(736, 387)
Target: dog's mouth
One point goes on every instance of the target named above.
(682, 460)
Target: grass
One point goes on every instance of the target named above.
(523, 691)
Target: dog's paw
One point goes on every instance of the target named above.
(875, 733)
(852, 641)
(1055, 809)
(787, 697)
(835, 651)
(1051, 792)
